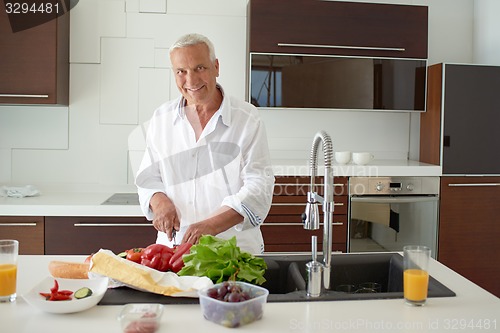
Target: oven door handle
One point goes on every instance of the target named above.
(400, 199)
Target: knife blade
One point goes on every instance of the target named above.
(173, 236)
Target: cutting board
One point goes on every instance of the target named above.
(124, 295)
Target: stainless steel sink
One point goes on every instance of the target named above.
(286, 280)
(122, 199)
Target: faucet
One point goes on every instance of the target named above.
(310, 217)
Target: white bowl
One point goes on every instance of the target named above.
(97, 285)
(362, 158)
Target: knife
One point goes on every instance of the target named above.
(173, 236)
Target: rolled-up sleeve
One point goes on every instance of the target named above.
(253, 200)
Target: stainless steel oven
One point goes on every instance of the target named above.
(387, 213)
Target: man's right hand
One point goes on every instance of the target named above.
(165, 214)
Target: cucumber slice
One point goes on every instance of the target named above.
(83, 292)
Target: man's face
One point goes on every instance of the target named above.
(195, 75)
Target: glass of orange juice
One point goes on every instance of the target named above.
(415, 274)
(9, 249)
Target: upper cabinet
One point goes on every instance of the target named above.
(337, 55)
(339, 28)
(35, 57)
(459, 131)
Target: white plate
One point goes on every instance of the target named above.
(97, 285)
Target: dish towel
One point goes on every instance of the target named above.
(19, 191)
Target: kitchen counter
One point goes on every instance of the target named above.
(72, 200)
(376, 168)
(473, 309)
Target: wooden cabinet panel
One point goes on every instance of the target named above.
(430, 121)
(469, 228)
(283, 230)
(85, 235)
(28, 230)
(361, 29)
(35, 62)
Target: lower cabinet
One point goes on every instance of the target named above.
(469, 229)
(86, 235)
(28, 230)
(283, 230)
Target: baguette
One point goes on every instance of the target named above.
(69, 270)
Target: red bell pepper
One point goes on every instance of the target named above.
(176, 262)
(157, 256)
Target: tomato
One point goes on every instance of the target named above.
(157, 256)
(134, 254)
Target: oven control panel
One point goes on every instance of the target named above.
(393, 185)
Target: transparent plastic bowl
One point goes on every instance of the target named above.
(140, 317)
(234, 314)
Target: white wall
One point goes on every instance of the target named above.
(486, 32)
(119, 74)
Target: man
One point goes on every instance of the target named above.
(207, 167)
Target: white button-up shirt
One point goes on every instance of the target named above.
(229, 165)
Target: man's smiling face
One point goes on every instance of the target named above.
(195, 74)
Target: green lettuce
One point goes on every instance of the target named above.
(222, 260)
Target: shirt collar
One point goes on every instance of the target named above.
(223, 112)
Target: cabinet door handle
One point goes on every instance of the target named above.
(24, 224)
(473, 184)
(24, 96)
(112, 225)
(300, 204)
(280, 224)
(372, 48)
(292, 224)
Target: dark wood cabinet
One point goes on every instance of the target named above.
(283, 230)
(85, 235)
(28, 230)
(469, 229)
(459, 131)
(34, 66)
(338, 27)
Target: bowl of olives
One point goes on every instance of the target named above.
(233, 303)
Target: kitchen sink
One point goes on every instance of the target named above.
(286, 280)
(122, 199)
(384, 269)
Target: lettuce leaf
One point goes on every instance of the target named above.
(222, 260)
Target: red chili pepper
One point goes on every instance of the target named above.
(59, 297)
(46, 295)
(56, 294)
(157, 256)
(55, 288)
(176, 262)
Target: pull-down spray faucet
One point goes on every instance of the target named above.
(310, 217)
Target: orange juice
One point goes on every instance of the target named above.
(415, 282)
(8, 273)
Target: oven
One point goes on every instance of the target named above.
(387, 213)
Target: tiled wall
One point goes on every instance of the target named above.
(120, 73)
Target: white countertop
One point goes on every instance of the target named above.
(86, 200)
(471, 308)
